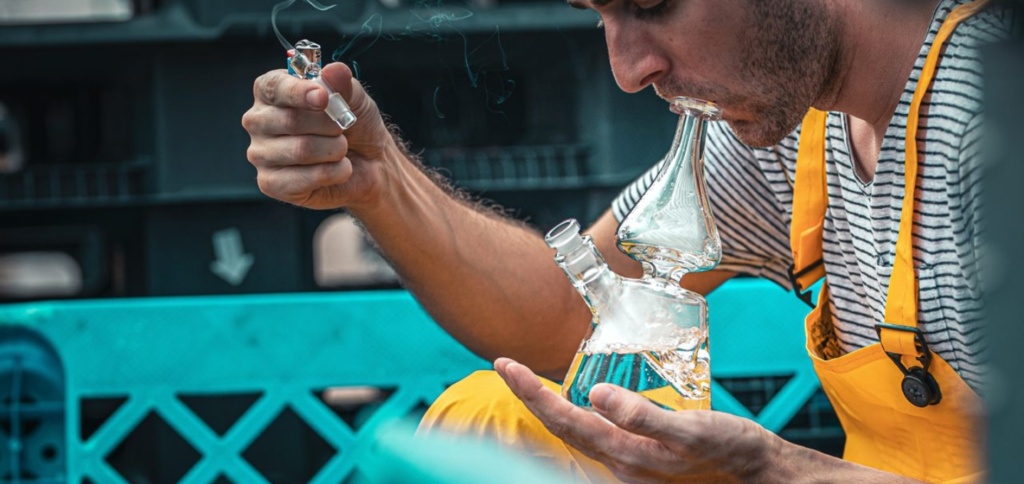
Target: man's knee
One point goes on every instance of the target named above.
(483, 405)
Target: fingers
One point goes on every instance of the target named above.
(297, 150)
(633, 412)
(301, 155)
(579, 428)
(339, 77)
(277, 88)
(634, 449)
(296, 184)
(553, 410)
(646, 443)
(263, 120)
(287, 105)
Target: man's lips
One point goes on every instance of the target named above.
(729, 115)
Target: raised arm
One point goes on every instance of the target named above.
(486, 279)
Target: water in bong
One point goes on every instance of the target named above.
(671, 369)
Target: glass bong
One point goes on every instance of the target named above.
(650, 335)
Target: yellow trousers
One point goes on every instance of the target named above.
(482, 406)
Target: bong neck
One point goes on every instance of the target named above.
(584, 265)
(670, 229)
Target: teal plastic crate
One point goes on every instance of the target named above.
(151, 359)
(155, 353)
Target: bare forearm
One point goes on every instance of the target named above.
(488, 280)
(796, 464)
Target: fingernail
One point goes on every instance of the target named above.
(510, 380)
(314, 100)
(601, 396)
(500, 364)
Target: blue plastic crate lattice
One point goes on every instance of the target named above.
(282, 348)
(151, 356)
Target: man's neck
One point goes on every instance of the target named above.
(880, 42)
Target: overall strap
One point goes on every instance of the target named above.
(810, 197)
(898, 334)
(810, 193)
(901, 301)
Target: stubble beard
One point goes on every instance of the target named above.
(794, 52)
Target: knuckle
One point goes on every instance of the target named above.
(558, 427)
(297, 91)
(274, 185)
(249, 121)
(259, 156)
(701, 427)
(703, 422)
(339, 148)
(265, 88)
(323, 174)
(302, 148)
(264, 183)
(634, 416)
(291, 122)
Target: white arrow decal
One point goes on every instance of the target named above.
(232, 263)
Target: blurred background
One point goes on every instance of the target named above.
(121, 134)
(123, 181)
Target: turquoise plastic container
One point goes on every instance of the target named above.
(154, 354)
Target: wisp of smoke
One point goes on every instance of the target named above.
(433, 22)
(371, 27)
(288, 3)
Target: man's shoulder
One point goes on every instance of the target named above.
(961, 56)
(955, 100)
(996, 22)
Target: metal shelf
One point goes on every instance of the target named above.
(74, 184)
(522, 168)
(177, 22)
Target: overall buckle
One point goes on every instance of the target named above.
(919, 387)
(803, 295)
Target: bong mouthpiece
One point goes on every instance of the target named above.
(304, 63)
(564, 237)
(697, 108)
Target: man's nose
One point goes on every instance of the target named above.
(636, 60)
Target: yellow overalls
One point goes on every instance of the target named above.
(884, 430)
(938, 442)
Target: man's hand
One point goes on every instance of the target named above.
(302, 156)
(647, 443)
(650, 444)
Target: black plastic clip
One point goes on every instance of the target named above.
(919, 387)
(804, 295)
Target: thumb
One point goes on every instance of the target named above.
(631, 412)
(339, 77)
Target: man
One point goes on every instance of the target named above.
(905, 274)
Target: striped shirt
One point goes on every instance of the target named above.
(751, 193)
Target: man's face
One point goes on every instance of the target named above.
(763, 62)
